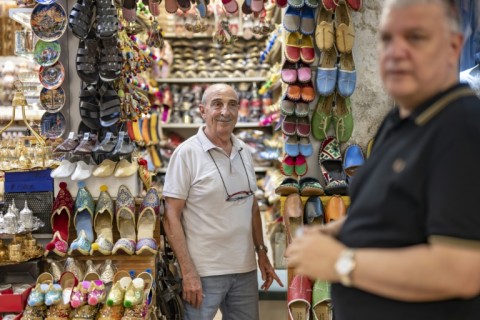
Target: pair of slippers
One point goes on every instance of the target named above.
(299, 19)
(325, 115)
(331, 5)
(293, 125)
(299, 47)
(301, 92)
(331, 76)
(296, 72)
(297, 108)
(331, 165)
(295, 146)
(294, 165)
(306, 186)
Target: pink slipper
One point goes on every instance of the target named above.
(171, 6)
(304, 72)
(230, 6)
(289, 72)
(257, 5)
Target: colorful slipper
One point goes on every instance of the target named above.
(347, 75)
(289, 72)
(342, 118)
(294, 92)
(307, 24)
(125, 218)
(310, 186)
(313, 213)
(321, 301)
(344, 31)
(326, 78)
(304, 72)
(302, 109)
(287, 107)
(330, 161)
(324, 32)
(322, 117)
(301, 166)
(292, 47)
(292, 19)
(288, 163)
(289, 126)
(307, 52)
(303, 127)
(103, 223)
(288, 186)
(353, 159)
(291, 146)
(305, 147)
(149, 211)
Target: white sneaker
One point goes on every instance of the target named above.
(82, 171)
(64, 170)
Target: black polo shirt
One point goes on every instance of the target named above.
(420, 184)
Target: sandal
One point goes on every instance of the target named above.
(89, 107)
(107, 19)
(87, 54)
(110, 60)
(110, 110)
(80, 18)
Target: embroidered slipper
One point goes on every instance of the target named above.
(304, 72)
(125, 219)
(305, 147)
(326, 78)
(292, 19)
(342, 118)
(313, 213)
(292, 47)
(301, 166)
(288, 186)
(60, 221)
(324, 32)
(149, 211)
(353, 159)
(287, 165)
(301, 110)
(310, 186)
(322, 117)
(307, 52)
(289, 72)
(330, 161)
(294, 92)
(347, 75)
(303, 127)
(287, 107)
(307, 24)
(103, 223)
(291, 146)
(344, 31)
(289, 126)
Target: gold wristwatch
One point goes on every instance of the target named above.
(345, 265)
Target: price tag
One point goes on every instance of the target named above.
(71, 135)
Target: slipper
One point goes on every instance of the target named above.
(125, 168)
(171, 6)
(292, 19)
(125, 219)
(82, 171)
(294, 92)
(301, 166)
(301, 110)
(307, 92)
(356, 5)
(287, 165)
(303, 127)
(310, 186)
(304, 72)
(129, 9)
(330, 161)
(185, 5)
(288, 186)
(256, 5)
(299, 296)
(291, 146)
(353, 159)
(287, 107)
(307, 52)
(289, 72)
(312, 3)
(289, 126)
(326, 78)
(102, 223)
(335, 209)
(324, 32)
(347, 75)
(330, 5)
(342, 118)
(307, 24)
(292, 47)
(344, 31)
(84, 208)
(305, 147)
(230, 6)
(292, 216)
(321, 301)
(322, 117)
(313, 213)
(149, 212)
(296, 3)
(281, 3)
(105, 169)
(64, 170)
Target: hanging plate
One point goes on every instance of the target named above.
(48, 22)
(53, 125)
(52, 77)
(52, 100)
(47, 53)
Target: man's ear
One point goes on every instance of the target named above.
(456, 45)
(201, 108)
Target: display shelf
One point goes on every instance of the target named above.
(198, 125)
(21, 15)
(211, 80)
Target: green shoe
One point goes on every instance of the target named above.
(322, 117)
(321, 300)
(343, 118)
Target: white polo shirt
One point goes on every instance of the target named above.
(218, 232)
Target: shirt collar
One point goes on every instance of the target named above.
(207, 145)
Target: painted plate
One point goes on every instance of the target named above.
(46, 1)
(46, 53)
(52, 77)
(53, 125)
(52, 100)
(48, 22)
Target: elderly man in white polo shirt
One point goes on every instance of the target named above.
(212, 219)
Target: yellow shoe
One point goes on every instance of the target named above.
(105, 169)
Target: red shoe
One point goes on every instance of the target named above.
(299, 297)
(329, 4)
(60, 221)
(356, 5)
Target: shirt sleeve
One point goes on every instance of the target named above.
(453, 189)
(178, 177)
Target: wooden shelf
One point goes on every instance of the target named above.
(211, 80)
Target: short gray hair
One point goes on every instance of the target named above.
(449, 6)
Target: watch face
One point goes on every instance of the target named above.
(344, 265)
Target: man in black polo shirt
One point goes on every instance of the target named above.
(410, 246)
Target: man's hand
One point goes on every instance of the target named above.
(267, 270)
(192, 289)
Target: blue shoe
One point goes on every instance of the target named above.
(307, 25)
(353, 159)
(37, 295)
(202, 8)
(291, 146)
(347, 75)
(313, 213)
(326, 78)
(292, 18)
(305, 147)
(53, 295)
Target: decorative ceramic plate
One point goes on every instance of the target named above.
(46, 1)
(52, 100)
(46, 53)
(52, 77)
(53, 125)
(48, 22)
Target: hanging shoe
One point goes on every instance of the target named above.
(82, 171)
(60, 221)
(84, 208)
(125, 168)
(103, 223)
(149, 211)
(105, 169)
(125, 218)
(64, 170)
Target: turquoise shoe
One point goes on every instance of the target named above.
(37, 295)
(53, 295)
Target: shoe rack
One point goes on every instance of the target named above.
(290, 271)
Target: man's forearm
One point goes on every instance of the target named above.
(178, 243)
(257, 231)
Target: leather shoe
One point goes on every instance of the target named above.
(299, 296)
(335, 209)
(293, 215)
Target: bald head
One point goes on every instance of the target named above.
(214, 90)
(452, 16)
